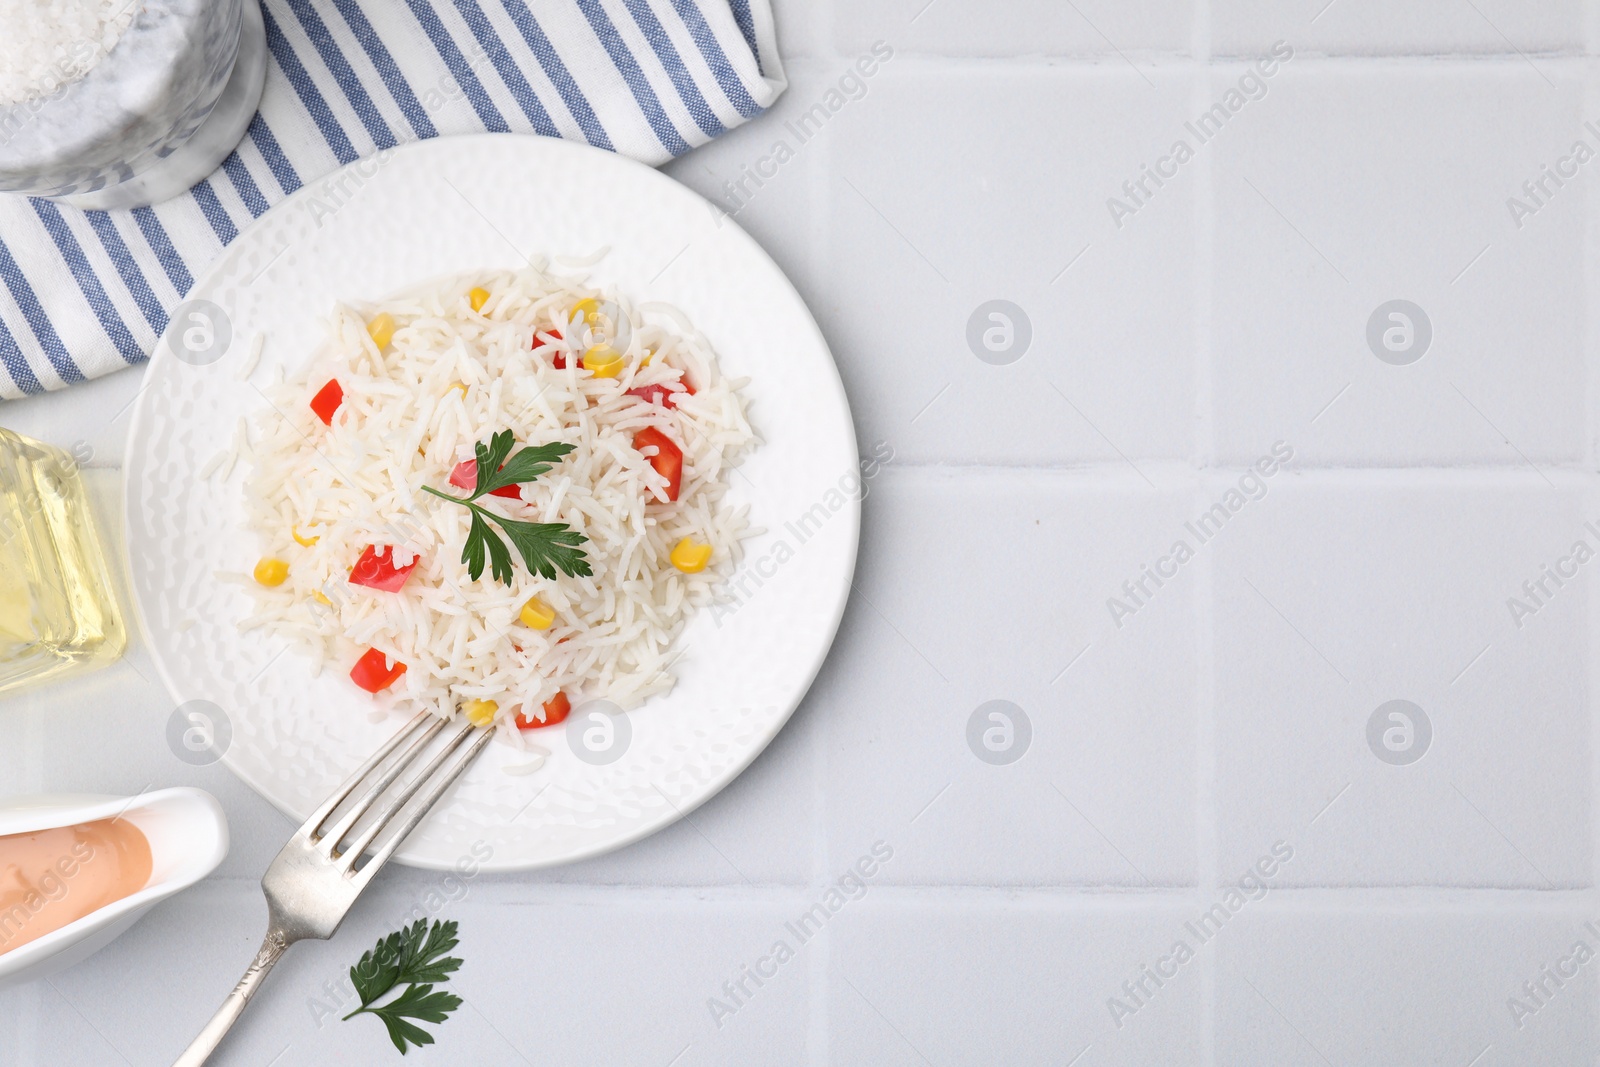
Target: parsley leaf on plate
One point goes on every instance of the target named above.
(545, 547)
(525, 466)
(491, 457)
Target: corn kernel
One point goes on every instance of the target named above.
(648, 356)
(322, 598)
(478, 297)
(271, 572)
(690, 557)
(589, 308)
(460, 387)
(303, 542)
(537, 614)
(603, 360)
(480, 712)
(381, 330)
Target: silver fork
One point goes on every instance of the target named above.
(312, 884)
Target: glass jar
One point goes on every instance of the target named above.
(58, 608)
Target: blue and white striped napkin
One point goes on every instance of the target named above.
(86, 293)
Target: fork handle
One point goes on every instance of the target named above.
(271, 951)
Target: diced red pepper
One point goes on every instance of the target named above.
(466, 476)
(556, 709)
(376, 569)
(653, 394)
(668, 460)
(327, 401)
(372, 671)
(560, 357)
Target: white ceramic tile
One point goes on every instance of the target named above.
(1341, 190)
(89, 420)
(1032, 985)
(1333, 600)
(759, 831)
(121, 1006)
(1429, 984)
(1010, 604)
(549, 976)
(631, 980)
(772, 192)
(1015, 27)
(1007, 205)
(802, 27)
(1373, 27)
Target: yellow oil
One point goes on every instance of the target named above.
(58, 608)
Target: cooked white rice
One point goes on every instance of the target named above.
(404, 424)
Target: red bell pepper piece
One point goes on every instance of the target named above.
(653, 394)
(372, 671)
(650, 394)
(656, 394)
(376, 570)
(668, 460)
(556, 709)
(466, 476)
(327, 401)
(560, 357)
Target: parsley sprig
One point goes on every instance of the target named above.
(413, 957)
(544, 546)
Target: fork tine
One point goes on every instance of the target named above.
(429, 798)
(320, 816)
(352, 855)
(330, 842)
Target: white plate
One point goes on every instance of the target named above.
(436, 208)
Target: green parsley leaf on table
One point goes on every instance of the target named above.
(416, 958)
(545, 547)
(417, 1002)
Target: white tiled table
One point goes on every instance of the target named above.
(1228, 711)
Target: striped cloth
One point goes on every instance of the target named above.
(86, 293)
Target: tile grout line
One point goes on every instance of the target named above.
(1184, 471)
(819, 1024)
(1166, 60)
(1588, 343)
(1206, 860)
(1591, 328)
(1084, 897)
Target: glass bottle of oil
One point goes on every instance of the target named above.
(58, 609)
